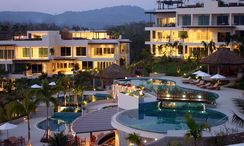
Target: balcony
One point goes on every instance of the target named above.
(164, 25)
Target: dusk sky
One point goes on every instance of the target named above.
(59, 6)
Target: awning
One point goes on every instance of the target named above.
(95, 121)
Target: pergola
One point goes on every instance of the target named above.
(222, 57)
(95, 122)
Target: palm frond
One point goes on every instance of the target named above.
(237, 120)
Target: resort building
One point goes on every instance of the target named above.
(55, 52)
(180, 27)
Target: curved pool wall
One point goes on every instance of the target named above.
(206, 94)
(149, 117)
(58, 120)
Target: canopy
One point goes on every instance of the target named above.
(7, 126)
(218, 76)
(35, 86)
(95, 121)
(203, 74)
(197, 72)
(114, 71)
(52, 84)
(223, 56)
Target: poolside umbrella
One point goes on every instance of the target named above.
(218, 77)
(35, 86)
(203, 74)
(52, 84)
(197, 72)
(7, 126)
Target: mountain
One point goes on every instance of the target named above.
(94, 19)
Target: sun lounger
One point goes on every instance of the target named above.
(195, 81)
(205, 85)
(214, 87)
(200, 83)
(188, 80)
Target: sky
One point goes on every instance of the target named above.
(59, 6)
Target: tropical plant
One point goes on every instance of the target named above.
(25, 106)
(45, 95)
(183, 35)
(66, 84)
(209, 47)
(195, 129)
(135, 139)
(238, 118)
(78, 91)
(58, 139)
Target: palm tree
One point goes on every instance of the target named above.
(77, 91)
(45, 95)
(209, 47)
(195, 129)
(135, 139)
(58, 139)
(26, 106)
(238, 119)
(66, 84)
(183, 35)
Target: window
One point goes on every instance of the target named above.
(65, 51)
(203, 20)
(153, 34)
(239, 20)
(98, 51)
(43, 52)
(186, 20)
(222, 20)
(102, 65)
(223, 36)
(87, 65)
(6, 54)
(108, 50)
(65, 65)
(80, 51)
(27, 52)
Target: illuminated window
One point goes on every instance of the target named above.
(6, 54)
(43, 52)
(98, 51)
(108, 50)
(27, 52)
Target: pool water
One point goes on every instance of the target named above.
(58, 120)
(151, 118)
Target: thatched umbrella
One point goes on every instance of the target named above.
(223, 56)
(114, 71)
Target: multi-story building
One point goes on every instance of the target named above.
(52, 52)
(190, 24)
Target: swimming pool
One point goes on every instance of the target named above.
(149, 117)
(58, 120)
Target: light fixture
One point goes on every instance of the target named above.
(145, 141)
(199, 96)
(184, 96)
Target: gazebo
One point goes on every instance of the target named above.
(223, 58)
(112, 72)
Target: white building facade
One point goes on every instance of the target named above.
(188, 25)
(54, 52)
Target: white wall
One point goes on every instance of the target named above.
(128, 102)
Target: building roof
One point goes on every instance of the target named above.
(223, 56)
(114, 71)
(95, 121)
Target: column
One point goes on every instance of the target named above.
(210, 19)
(72, 49)
(230, 19)
(6, 67)
(191, 19)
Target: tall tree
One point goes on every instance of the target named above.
(45, 95)
(58, 139)
(25, 106)
(135, 139)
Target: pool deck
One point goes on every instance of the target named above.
(224, 105)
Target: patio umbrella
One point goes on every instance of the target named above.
(35, 86)
(52, 84)
(218, 77)
(203, 74)
(7, 126)
(197, 72)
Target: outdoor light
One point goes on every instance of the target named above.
(155, 73)
(126, 78)
(94, 89)
(184, 96)
(199, 96)
(167, 95)
(155, 139)
(200, 66)
(145, 141)
(184, 74)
